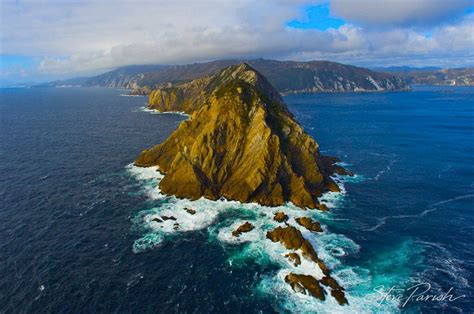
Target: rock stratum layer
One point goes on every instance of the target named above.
(241, 143)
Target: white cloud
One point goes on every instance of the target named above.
(400, 12)
(87, 36)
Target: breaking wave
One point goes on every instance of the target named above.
(128, 95)
(154, 111)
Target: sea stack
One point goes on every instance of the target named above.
(241, 142)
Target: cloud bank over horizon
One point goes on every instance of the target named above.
(54, 39)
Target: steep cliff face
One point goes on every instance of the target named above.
(241, 143)
(184, 97)
(324, 76)
(124, 77)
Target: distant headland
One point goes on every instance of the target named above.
(286, 76)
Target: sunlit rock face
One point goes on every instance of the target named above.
(240, 143)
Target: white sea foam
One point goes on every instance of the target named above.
(388, 168)
(366, 302)
(444, 261)
(383, 155)
(332, 246)
(433, 207)
(128, 95)
(254, 244)
(144, 173)
(457, 198)
(154, 111)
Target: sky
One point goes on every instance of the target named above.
(42, 40)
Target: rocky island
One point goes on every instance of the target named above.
(242, 143)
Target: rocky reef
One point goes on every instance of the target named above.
(309, 224)
(292, 239)
(241, 143)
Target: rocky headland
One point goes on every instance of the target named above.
(441, 77)
(242, 143)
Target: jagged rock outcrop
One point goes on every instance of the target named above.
(330, 165)
(292, 239)
(305, 284)
(190, 211)
(309, 224)
(280, 217)
(245, 227)
(241, 143)
(294, 258)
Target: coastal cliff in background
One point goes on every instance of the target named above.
(241, 143)
(434, 76)
(285, 76)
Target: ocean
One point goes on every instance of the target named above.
(76, 228)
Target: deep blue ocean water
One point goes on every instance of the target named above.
(73, 238)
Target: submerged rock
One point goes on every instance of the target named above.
(241, 143)
(309, 224)
(280, 217)
(168, 218)
(305, 284)
(246, 227)
(190, 211)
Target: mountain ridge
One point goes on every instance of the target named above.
(285, 76)
(439, 76)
